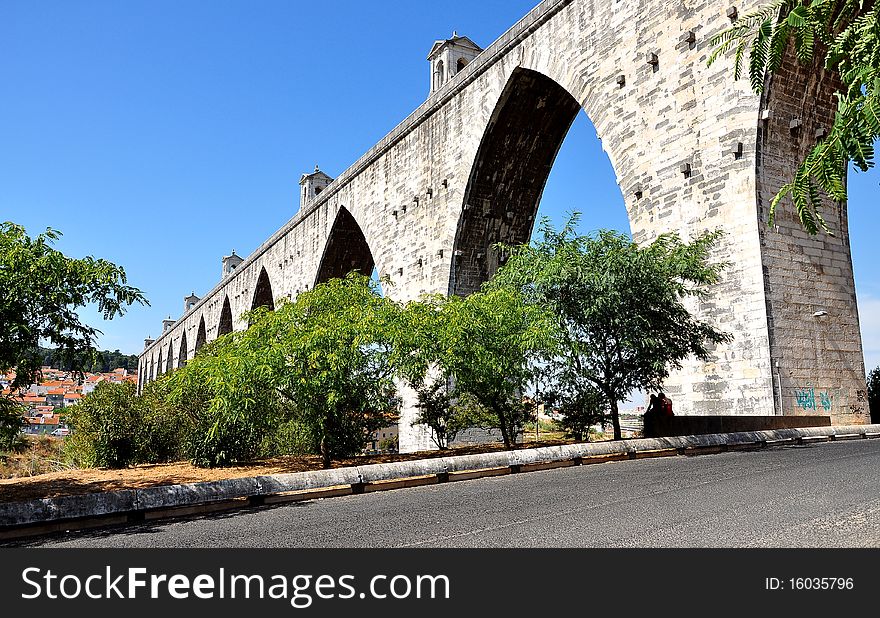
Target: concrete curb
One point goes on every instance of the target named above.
(90, 510)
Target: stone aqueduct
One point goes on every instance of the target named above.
(692, 150)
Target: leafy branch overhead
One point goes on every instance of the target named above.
(847, 32)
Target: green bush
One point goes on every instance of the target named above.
(874, 394)
(11, 423)
(291, 437)
(223, 403)
(166, 427)
(106, 427)
(581, 410)
(220, 440)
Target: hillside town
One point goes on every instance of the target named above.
(45, 402)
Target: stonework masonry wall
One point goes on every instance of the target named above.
(670, 126)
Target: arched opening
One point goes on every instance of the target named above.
(527, 128)
(263, 292)
(152, 368)
(225, 326)
(461, 64)
(438, 74)
(169, 367)
(583, 179)
(346, 251)
(201, 336)
(540, 156)
(160, 362)
(182, 357)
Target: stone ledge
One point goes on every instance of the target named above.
(90, 510)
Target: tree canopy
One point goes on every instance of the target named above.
(619, 308)
(874, 394)
(323, 360)
(487, 345)
(847, 34)
(41, 292)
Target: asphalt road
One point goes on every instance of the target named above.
(821, 495)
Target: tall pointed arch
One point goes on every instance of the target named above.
(225, 325)
(201, 335)
(169, 367)
(184, 351)
(523, 137)
(160, 362)
(346, 250)
(263, 296)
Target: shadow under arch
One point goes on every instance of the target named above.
(201, 336)
(169, 367)
(182, 358)
(263, 296)
(346, 251)
(522, 139)
(225, 325)
(160, 363)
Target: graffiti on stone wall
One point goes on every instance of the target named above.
(807, 399)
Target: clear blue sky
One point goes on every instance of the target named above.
(161, 135)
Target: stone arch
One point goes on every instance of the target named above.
(346, 250)
(460, 65)
(439, 75)
(152, 368)
(201, 335)
(169, 367)
(519, 146)
(225, 325)
(160, 362)
(263, 296)
(183, 357)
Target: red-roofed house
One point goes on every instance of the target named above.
(42, 424)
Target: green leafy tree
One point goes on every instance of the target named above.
(618, 307)
(487, 345)
(874, 394)
(847, 34)
(225, 401)
(41, 291)
(104, 361)
(165, 429)
(443, 411)
(11, 423)
(328, 356)
(107, 426)
(314, 374)
(580, 404)
(437, 410)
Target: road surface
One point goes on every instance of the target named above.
(820, 495)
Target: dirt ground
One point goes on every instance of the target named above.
(75, 482)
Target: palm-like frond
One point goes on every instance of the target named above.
(850, 30)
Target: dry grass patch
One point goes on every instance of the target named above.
(51, 483)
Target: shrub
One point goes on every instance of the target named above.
(166, 427)
(223, 400)
(580, 410)
(874, 394)
(11, 423)
(291, 437)
(106, 426)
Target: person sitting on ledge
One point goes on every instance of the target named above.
(650, 417)
(665, 406)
